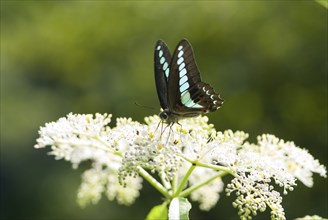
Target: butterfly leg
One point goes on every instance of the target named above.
(180, 129)
(158, 126)
(170, 130)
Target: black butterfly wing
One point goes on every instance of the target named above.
(187, 94)
(162, 59)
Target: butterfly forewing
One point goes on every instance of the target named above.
(162, 59)
(188, 96)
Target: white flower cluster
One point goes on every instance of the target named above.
(77, 138)
(313, 217)
(178, 160)
(258, 165)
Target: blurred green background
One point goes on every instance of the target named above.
(267, 59)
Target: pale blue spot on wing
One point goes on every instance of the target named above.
(183, 80)
(185, 97)
(180, 53)
(182, 65)
(191, 104)
(165, 66)
(182, 72)
(187, 101)
(167, 72)
(160, 53)
(194, 105)
(180, 60)
(158, 47)
(184, 87)
(180, 48)
(162, 60)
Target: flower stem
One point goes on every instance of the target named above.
(153, 182)
(184, 180)
(175, 183)
(186, 192)
(166, 183)
(210, 166)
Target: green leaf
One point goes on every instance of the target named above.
(158, 212)
(179, 209)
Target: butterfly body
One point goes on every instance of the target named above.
(180, 90)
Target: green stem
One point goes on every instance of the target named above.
(210, 166)
(174, 183)
(184, 180)
(166, 184)
(110, 147)
(154, 182)
(186, 192)
(216, 167)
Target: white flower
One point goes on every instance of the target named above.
(76, 137)
(124, 195)
(271, 159)
(179, 160)
(254, 194)
(92, 186)
(209, 194)
(313, 217)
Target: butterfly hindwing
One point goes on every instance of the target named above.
(162, 59)
(187, 94)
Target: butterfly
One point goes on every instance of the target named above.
(180, 91)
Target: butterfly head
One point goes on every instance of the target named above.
(166, 116)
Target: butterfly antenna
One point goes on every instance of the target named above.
(143, 106)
